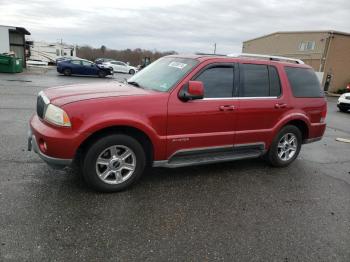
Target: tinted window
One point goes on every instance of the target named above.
(76, 62)
(254, 80)
(304, 82)
(217, 81)
(86, 63)
(275, 84)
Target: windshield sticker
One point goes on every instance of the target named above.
(178, 65)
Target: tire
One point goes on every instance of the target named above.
(275, 155)
(341, 109)
(102, 74)
(67, 72)
(132, 72)
(104, 158)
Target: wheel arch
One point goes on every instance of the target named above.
(136, 133)
(299, 120)
(302, 126)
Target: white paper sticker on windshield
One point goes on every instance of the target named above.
(177, 65)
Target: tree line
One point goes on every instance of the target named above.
(134, 57)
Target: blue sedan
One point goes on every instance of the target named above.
(82, 67)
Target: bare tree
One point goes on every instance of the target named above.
(134, 57)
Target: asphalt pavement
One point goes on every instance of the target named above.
(237, 211)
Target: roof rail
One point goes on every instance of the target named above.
(269, 57)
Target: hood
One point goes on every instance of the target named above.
(62, 95)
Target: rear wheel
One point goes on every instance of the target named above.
(67, 72)
(132, 72)
(102, 74)
(285, 147)
(113, 163)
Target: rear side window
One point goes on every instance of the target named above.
(259, 81)
(217, 81)
(304, 82)
(275, 84)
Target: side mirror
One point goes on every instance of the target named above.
(191, 91)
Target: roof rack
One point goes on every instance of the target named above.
(268, 57)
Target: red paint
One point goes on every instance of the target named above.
(196, 88)
(172, 124)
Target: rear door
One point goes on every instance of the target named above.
(76, 67)
(262, 103)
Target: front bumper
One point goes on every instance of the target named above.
(345, 106)
(56, 163)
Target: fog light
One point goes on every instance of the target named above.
(42, 145)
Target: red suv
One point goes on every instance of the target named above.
(180, 111)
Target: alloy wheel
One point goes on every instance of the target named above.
(116, 164)
(287, 147)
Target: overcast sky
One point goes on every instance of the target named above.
(184, 26)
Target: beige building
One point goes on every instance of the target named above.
(325, 51)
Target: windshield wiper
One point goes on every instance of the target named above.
(134, 83)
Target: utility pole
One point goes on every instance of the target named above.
(214, 48)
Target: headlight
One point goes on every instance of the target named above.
(57, 116)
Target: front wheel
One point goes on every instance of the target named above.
(285, 147)
(67, 72)
(132, 72)
(113, 163)
(102, 74)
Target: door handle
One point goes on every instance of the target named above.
(281, 105)
(227, 108)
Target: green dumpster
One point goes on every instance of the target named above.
(10, 64)
(18, 65)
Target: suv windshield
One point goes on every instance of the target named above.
(163, 74)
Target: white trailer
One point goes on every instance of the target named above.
(49, 52)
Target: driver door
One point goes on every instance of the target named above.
(88, 68)
(208, 122)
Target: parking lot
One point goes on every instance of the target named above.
(237, 211)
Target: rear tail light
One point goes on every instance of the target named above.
(323, 115)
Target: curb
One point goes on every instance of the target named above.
(333, 95)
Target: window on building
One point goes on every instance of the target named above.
(57, 52)
(304, 82)
(217, 81)
(307, 45)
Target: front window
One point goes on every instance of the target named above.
(164, 73)
(86, 63)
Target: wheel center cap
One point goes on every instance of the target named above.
(114, 164)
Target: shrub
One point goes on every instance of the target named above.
(342, 91)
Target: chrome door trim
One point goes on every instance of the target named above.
(238, 98)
